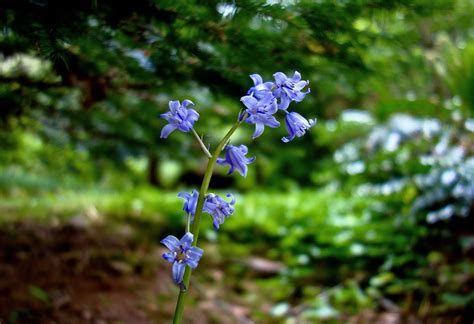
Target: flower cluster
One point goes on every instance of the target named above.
(264, 99)
(214, 205)
(262, 102)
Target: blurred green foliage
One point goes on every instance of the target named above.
(372, 209)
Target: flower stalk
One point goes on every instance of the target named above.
(178, 313)
(262, 102)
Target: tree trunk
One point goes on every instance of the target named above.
(153, 170)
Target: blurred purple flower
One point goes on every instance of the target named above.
(260, 88)
(260, 112)
(181, 254)
(235, 157)
(179, 117)
(218, 208)
(296, 125)
(190, 202)
(289, 89)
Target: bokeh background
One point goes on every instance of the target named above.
(367, 218)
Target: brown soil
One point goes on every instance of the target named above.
(73, 275)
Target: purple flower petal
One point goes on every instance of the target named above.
(169, 256)
(186, 240)
(166, 131)
(258, 130)
(256, 78)
(171, 242)
(178, 272)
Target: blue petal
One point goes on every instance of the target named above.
(287, 138)
(169, 256)
(272, 122)
(195, 252)
(249, 101)
(170, 242)
(257, 79)
(284, 101)
(167, 130)
(280, 78)
(229, 195)
(258, 130)
(300, 85)
(186, 240)
(193, 257)
(187, 102)
(243, 149)
(184, 195)
(178, 272)
(174, 105)
(192, 115)
(296, 76)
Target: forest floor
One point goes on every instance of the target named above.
(69, 274)
(72, 273)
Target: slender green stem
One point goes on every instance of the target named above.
(188, 222)
(178, 313)
(203, 147)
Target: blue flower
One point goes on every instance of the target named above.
(179, 117)
(260, 112)
(260, 88)
(181, 254)
(190, 202)
(289, 89)
(218, 208)
(296, 125)
(235, 157)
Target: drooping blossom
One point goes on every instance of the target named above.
(296, 125)
(235, 157)
(218, 208)
(260, 88)
(181, 254)
(190, 201)
(289, 89)
(260, 112)
(179, 117)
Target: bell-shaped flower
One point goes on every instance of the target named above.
(179, 117)
(260, 112)
(235, 157)
(289, 89)
(296, 125)
(260, 88)
(181, 254)
(190, 201)
(218, 208)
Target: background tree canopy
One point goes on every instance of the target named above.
(378, 196)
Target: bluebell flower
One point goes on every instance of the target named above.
(218, 208)
(179, 117)
(181, 254)
(296, 125)
(235, 157)
(260, 112)
(288, 90)
(260, 88)
(190, 201)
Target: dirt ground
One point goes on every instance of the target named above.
(67, 274)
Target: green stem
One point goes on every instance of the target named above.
(178, 313)
(203, 147)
